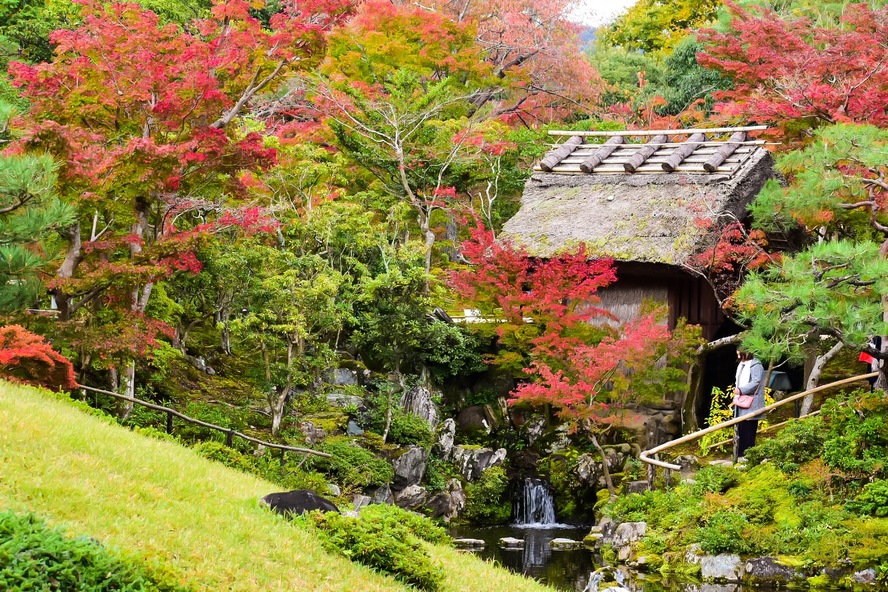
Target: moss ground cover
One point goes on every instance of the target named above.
(192, 521)
(815, 491)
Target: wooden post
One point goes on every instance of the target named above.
(644, 153)
(668, 473)
(169, 423)
(552, 159)
(603, 152)
(283, 457)
(723, 152)
(229, 438)
(682, 152)
(651, 475)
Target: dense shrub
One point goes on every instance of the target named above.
(353, 466)
(394, 517)
(724, 533)
(872, 500)
(857, 434)
(715, 479)
(267, 466)
(486, 501)
(36, 557)
(409, 429)
(379, 540)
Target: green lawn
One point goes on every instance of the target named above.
(179, 513)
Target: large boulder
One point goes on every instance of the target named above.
(298, 501)
(418, 402)
(382, 495)
(588, 467)
(721, 568)
(342, 400)
(342, 377)
(446, 437)
(477, 419)
(471, 462)
(769, 571)
(448, 503)
(411, 497)
(410, 467)
(625, 534)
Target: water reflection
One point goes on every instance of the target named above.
(565, 570)
(569, 571)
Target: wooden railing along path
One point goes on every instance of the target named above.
(229, 433)
(652, 463)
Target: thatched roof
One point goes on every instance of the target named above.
(648, 215)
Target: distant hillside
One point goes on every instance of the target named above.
(181, 514)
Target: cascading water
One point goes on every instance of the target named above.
(534, 506)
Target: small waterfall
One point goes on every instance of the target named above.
(534, 505)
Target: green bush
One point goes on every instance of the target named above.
(871, 501)
(353, 466)
(857, 437)
(724, 533)
(486, 501)
(796, 444)
(394, 517)
(409, 429)
(715, 479)
(36, 557)
(267, 466)
(377, 540)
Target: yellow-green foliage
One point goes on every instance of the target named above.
(193, 521)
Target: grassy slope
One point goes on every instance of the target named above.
(180, 513)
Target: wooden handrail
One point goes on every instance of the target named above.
(227, 431)
(644, 456)
(766, 429)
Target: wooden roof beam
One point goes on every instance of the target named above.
(682, 152)
(644, 153)
(603, 152)
(687, 132)
(724, 151)
(552, 159)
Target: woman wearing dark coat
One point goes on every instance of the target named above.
(749, 380)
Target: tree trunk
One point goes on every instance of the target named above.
(225, 317)
(277, 404)
(129, 387)
(814, 377)
(604, 469)
(66, 271)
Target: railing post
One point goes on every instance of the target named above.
(169, 422)
(652, 473)
(229, 438)
(283, 457)
(668, 473)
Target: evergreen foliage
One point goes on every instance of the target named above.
(34, 556)
(384, 540)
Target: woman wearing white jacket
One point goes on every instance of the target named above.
(749, 380)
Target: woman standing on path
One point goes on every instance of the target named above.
(750, 382)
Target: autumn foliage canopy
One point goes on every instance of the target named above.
(26, 357)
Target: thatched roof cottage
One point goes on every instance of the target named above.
(650, 200)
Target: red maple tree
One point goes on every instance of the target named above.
(788, 70)
(144, 121)
(573, 355)
(26, 357)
